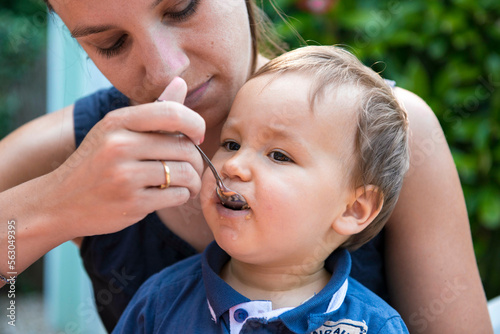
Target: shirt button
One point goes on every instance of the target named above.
(240, 315)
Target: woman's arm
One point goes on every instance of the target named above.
(107, 184)
(432, 273)
(33, 150)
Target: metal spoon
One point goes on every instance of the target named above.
(229, 198)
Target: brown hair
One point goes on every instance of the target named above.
(382, 153)
(265, 40)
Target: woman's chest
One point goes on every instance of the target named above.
(188, 223)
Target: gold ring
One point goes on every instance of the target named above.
(167, 176)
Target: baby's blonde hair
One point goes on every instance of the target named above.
(382, 152)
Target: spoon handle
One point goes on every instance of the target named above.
(228, 197)
(212, 168)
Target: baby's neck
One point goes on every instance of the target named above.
(283, 286)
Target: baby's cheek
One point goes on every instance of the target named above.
(207, 188)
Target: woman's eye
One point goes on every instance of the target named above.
(177, 15)
(185, 12)
(280, 156)
(115, 49)
(231, 146)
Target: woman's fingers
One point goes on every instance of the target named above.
(143, 146)
(169, 116)
(118, 188)
(176, 91)
(151, 174)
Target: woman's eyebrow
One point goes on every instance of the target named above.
(85, 31)
(156, 3)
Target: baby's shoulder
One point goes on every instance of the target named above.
(362, 297)
(362, 303)
(169, 280)
(179, 273)
(164, 296)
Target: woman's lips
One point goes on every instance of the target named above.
(195, 95)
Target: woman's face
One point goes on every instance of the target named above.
(141, 45)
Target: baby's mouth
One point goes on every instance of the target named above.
(244, 207)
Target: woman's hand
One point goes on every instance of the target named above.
(111, 181)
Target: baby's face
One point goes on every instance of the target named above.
(290, 163)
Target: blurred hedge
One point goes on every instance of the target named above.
(22, 41)
(447, 52)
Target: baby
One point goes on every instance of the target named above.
(318, 146)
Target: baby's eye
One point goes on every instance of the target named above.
(231, 145)
(280, 156)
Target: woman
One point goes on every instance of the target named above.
(108, 180)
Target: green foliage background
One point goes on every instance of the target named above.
(447, 52)
(22, 40)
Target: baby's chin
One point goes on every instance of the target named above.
(232, 242)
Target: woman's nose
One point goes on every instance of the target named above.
(164, 59)
(237, 167)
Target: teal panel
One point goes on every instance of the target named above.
(69, 303)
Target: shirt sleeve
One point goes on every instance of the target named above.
(91, 109)
(139, 316)
(394, 325)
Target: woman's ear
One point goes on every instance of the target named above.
(360, 212)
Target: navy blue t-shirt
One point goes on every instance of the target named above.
(119, 263)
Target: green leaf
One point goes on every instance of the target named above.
(489, 208)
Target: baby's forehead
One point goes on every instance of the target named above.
(293, 93)
(317, 88)
(294, 100)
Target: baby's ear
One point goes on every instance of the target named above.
(362, 210)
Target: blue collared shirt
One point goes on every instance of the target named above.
(190, 297)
